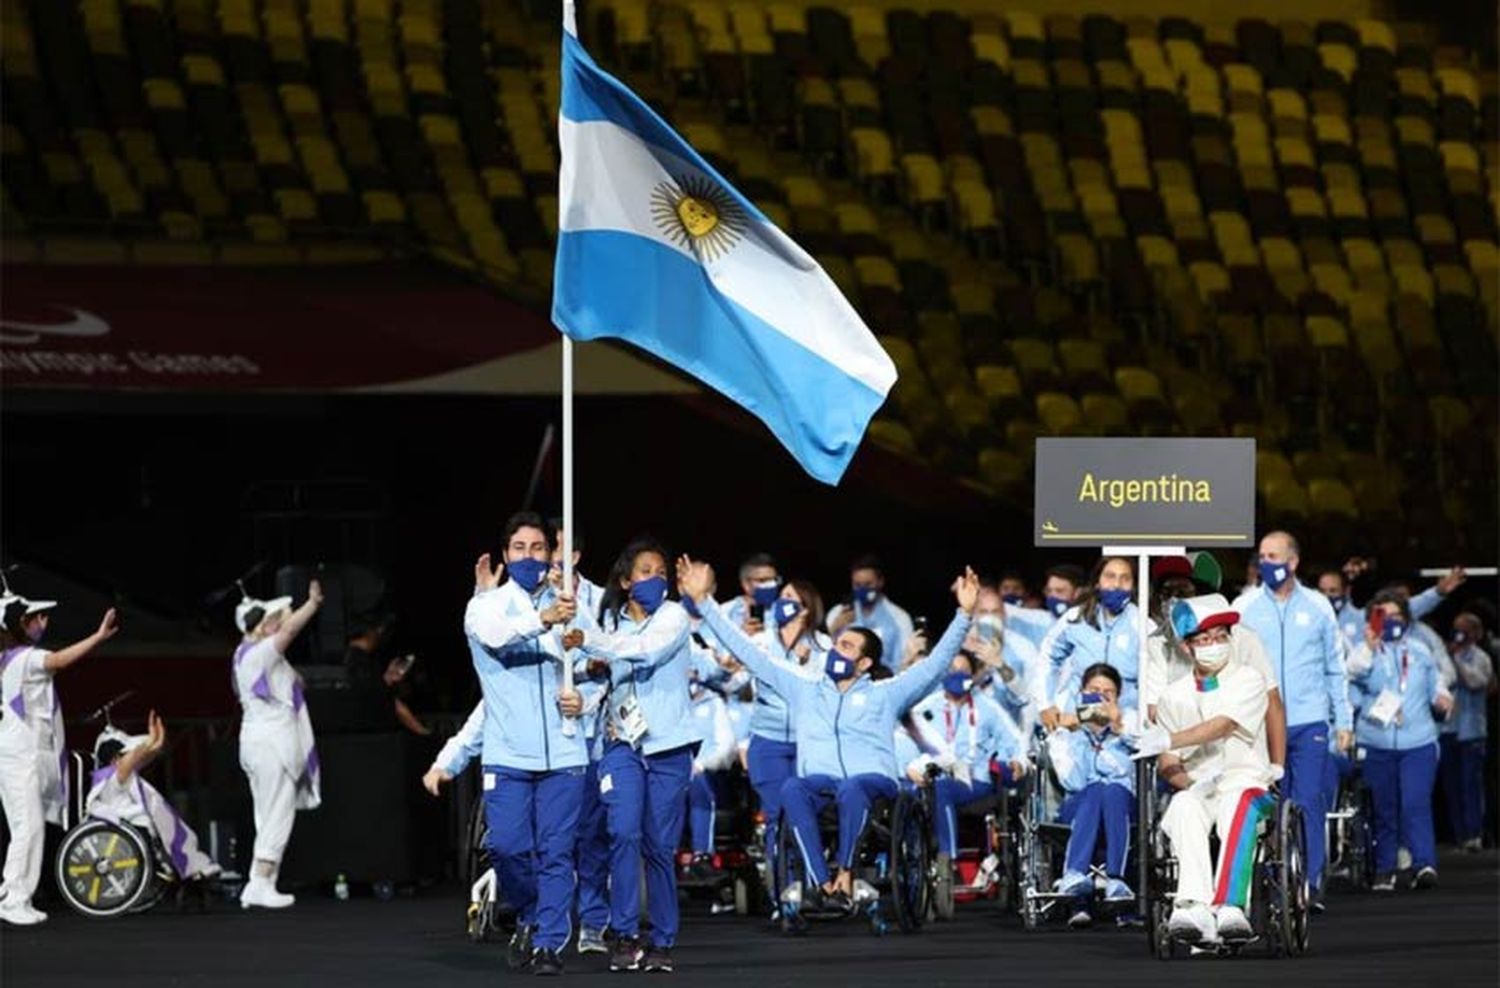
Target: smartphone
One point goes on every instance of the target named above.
(757, 613)
(1377, 620)
(405, 663)
(1090, 706)
(919, 625)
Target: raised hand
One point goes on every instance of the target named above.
(1452, 580)
(315, 593)
(966, 589)
(486, 578)
(695, 580)
(109, 626)
(156, 732)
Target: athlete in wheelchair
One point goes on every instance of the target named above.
(131, 848)
(961, 749)
(846, 761)
(1080, 809)
(1210, 746)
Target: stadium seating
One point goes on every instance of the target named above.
(1058, 225)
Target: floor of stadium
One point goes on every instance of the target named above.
(1448, 934)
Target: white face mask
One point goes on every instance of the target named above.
(1212, 658)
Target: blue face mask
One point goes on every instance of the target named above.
(649, 593)
(528, 573)
(1114, 601)
(866, 596)
(1339, 603)
(1393, 630)
(1013, 599)
(837, 668)
(36, 633)
(1057, 606)
(785, 611)
(958, 684)
(1273, 575)
(764, 594)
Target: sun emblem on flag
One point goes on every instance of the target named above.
(698, 214)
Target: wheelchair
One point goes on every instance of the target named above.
(734, 880)
(106, 869)
(1041, 843)
(982, 869)
(893, 867)
(1279, 906)
(1348, 834)
(487, 913)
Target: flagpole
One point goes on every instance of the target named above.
(567, 493)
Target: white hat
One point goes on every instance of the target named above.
(112, 733)
(29, 607)
(38, 606)
(269, 607)
(1198, 614)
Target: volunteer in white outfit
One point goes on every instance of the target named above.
(277, 749)
(119, 794)
(1211, 738)
(33, 786)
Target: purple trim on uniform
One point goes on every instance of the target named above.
(9, 654)
(313, 766)
(100, 775)
(262, 688)
(18, 704)
(297, 699)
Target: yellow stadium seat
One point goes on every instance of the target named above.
(1059, 414)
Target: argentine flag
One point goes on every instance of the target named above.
(656, 248)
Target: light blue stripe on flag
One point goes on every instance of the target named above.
(657, 249)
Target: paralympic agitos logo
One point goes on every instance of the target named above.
(83, 325)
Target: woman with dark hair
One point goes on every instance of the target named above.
(33, 782)
(644, 639)
(1092, 761)
(1396, 688)
(1100, 628)
(794, 636)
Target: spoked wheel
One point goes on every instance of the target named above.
(1296, 925)
(105, 869)
(480, 919)
(911, 857)
(1163, 947)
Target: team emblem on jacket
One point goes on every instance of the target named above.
(698, 214)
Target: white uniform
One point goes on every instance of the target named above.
(33, 786)
(136, 801)
(1226, 773)
(277, 750)
(1163, 669)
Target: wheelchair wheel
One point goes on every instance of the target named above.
(1297, 903)
(477, 837)
(790, 872)
(942, 887)
(911, 862)
(1284, 905)
(107, 869)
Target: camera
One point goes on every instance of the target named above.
(1093, 707)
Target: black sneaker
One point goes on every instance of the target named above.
(1384, 882)
(839, 902)
(518, 954)
(546, 962)
(659, 960)
(1426, 878)
(625, 955)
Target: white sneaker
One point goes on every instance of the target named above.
(21, 914)
(1233, 924)
(1075, 884)
(1403, 859)
(260, 892)
(1192, 924)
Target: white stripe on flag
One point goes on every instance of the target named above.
(608, 175)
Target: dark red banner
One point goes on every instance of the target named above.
(218, 329)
